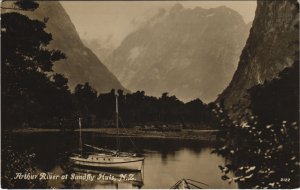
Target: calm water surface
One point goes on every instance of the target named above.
(166, 161)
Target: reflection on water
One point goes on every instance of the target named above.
(166, 161)
(184, 163)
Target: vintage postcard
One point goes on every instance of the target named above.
(150, 94)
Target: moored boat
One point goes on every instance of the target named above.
(188, 184)
(117, 162)
(108, 159)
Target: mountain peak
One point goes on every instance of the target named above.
(190, 54)
(267, 52)
(81, 64)
(176, 8)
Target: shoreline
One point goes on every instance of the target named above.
(185, 134)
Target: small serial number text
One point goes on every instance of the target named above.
(285, 179)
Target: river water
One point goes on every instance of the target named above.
(166, 161)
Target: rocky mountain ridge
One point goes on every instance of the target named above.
(269, 49)
(81, 64)
(190, 53)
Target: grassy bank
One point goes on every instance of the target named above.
(187, 134)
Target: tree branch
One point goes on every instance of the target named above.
(10, 8)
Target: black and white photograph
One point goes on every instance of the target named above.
(150, 94)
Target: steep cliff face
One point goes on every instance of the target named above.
(190, 53)
(269, 49)
(81, 64)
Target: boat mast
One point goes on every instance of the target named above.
(117, 122)
(80, 139)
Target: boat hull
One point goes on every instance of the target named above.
(116, 163)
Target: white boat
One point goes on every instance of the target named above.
(117, 162)
(108, 159)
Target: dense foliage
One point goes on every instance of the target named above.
(263, 150)
(28, 83)
(277, 100)
(34, 96)
(19, 162)
(137, 108)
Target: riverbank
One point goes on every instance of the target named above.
(186, 134)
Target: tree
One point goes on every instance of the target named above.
(278, 100)
(264, 149)
(27, 89)
(24, 5)
(85, 102)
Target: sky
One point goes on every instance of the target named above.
(111, 21)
